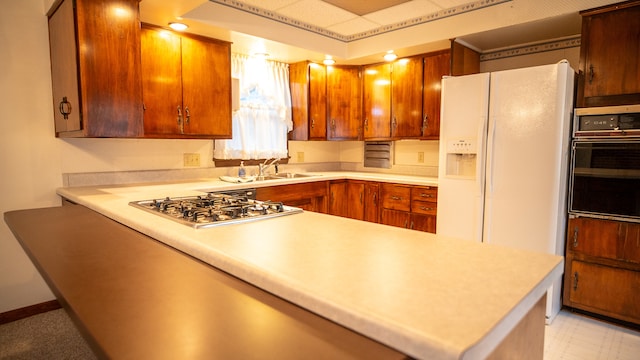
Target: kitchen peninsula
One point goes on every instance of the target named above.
(420, 294)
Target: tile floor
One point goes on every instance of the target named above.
(574, 336)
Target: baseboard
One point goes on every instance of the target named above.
(17, 314)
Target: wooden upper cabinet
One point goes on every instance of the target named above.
(464, 61)
(377, 101)
(393, 100)
(406, 98)
(186, 85)
(95, 64)
(609, 70)
(436, 65)
(402, 99)
(344, 103)
(308, 84)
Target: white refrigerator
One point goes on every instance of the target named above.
(503, 160)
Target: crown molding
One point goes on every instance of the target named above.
(272, 15)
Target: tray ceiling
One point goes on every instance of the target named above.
(359, 31)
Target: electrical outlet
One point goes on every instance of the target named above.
(300, 156)
(191, 159)
(420, 156)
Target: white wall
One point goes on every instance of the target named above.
(29, 153)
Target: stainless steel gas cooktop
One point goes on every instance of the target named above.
(216, 208)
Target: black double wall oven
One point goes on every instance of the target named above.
(605, 163)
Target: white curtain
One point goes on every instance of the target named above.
(261, 124)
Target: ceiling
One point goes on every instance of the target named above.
(361, 31)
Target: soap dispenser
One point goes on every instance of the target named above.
(242, 172)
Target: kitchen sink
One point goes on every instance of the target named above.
(288, 175)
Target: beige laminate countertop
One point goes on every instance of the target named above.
(425, 295)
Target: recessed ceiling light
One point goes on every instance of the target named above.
(178, 26)
(390, 56)
(328, 60)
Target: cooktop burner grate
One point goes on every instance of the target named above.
(215, 208)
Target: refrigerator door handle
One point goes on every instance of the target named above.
(481, 153)
(490, 155)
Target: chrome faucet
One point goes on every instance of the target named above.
(266, 165)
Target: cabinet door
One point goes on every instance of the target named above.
(422, 222)
(338, 201)
(308, 196)
(631, 250)
(395, 218)
(317, 102)
(108, 68)
(299, 87)
(64, 69)
(595, 237)
(308, 84)
(377, 102)
(344, 102)
(406, 98)
(161, 81)
(355, 200)
(206, 87)
(435, 67)
(371, 207)
(609, 72)
(605, 290)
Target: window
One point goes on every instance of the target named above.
(261, 124)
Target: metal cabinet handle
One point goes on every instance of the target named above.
(575, 237)
(396, 198)
(179, 120)
(313, 123)
(366, 124)
(425, 124)
(591, 73)
(65, 108)
(425, 195)
(375, 198)
(425, 208)
(575, 281)
(186, 110)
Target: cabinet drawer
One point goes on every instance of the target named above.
(427, 193)
(607, 239)
(396, 197)
(424, 207)
(604, 290)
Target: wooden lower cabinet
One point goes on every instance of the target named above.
(307, 196)
(354, 199)
(395, 218)
(407, 206)
(411, 207)
(602, 268)
(605, 290)
(338, 198)
(371, 202)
